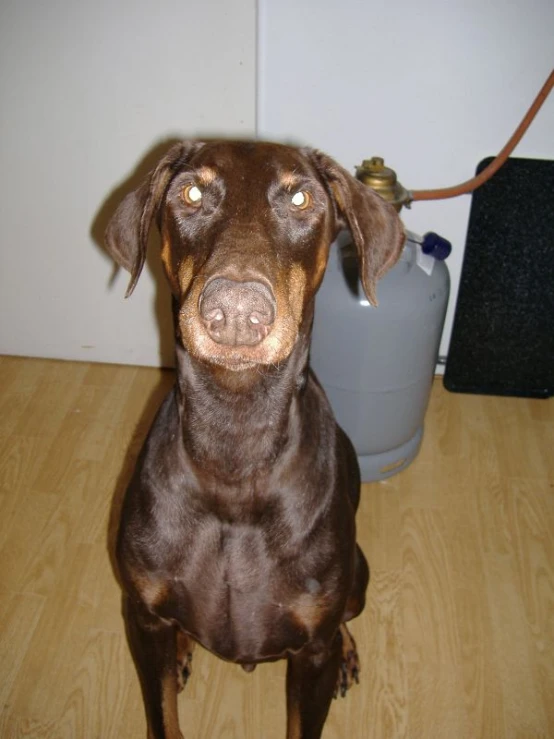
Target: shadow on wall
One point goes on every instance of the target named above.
(162, 300)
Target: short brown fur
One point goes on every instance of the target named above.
(237, 529)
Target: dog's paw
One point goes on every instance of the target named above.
(349, 670)
(184, 670)
(185, 646)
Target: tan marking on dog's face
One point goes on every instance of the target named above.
(206, 175)
(167, 259)
(185, 274)
(322, 257)
(296, 290)
(288, 180)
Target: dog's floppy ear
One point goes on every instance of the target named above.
(373, 223)
(127, 232)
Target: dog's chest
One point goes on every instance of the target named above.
(245, 597)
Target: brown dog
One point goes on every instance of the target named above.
(238, 529)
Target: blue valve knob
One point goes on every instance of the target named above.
(436, 246)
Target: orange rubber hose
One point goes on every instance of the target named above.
(494, 166)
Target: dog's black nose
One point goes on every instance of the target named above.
(237, 313)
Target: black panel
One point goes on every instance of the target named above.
(503, 334)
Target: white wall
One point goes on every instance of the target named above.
(433, 86)
(86, 90)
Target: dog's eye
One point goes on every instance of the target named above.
(191, 194)
(301, 199)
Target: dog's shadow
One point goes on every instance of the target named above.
(162, 299)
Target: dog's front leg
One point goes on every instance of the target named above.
(311, 684)
(153, 645)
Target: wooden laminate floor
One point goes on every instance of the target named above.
(457, 639)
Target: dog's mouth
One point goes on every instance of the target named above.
(236, 365)
(271, 350)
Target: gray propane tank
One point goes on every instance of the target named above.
(377, 364)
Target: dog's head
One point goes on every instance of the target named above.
(245, 234)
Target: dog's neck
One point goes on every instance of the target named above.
(235, 424)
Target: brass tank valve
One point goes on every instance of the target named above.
(374, 174)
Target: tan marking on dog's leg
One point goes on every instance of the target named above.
(152, 592)
(294, 727)
(348, 643)
(169, 707)
(307, 611)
